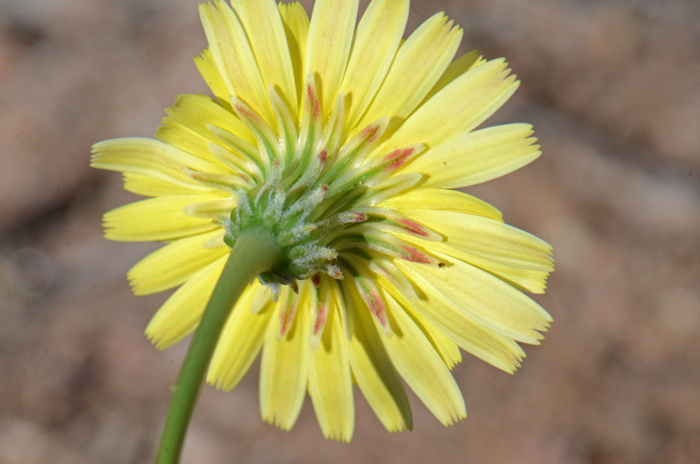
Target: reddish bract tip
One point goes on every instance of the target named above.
(415, 256)
(370, 132)
(336, 273)
(376, 307)
(313, 100)
(398, 158)
(286, 318)
(320, 319)
(249, 114)
(414, 227)
(316, 279)
(359, 217)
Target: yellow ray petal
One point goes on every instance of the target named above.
(240, 341)
(476, 157)
(526, 280)
(488, 239)
(159, 218)
(210, 73)
(263, 26)
(524, 275)
(495, 349)
(212, 209)
(234, 58)
(448, 350)
(459, 107)
(484, 298)
(151, 158)
(418, 65)
(422, 368)
(173, 264)
(181, 313)
(296, 28)
(284, 368)
(441, 200)
(458, 67)
(188, 122)
(330, 38)
(375, 374)
(330, 381)
(154, 187)
(376, 41)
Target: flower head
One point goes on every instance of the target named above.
(342, 142)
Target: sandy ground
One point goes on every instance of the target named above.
(613, 91)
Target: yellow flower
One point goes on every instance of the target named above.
(342, 141)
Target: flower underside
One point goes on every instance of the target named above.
(344, 145)
(316, 191)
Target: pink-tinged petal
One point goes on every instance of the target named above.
(312, 102)
(377, 170)
(412, 254)
(311, 132)
(370, 294)
(319, 322)
(371, 132)
(289, 303)
(389, 220)
(319, 300)
(398, 158)
(414, 228)
(245, 112)
(361, 143)
(385, 273)
(370, 235)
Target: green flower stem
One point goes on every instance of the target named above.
(255, 251)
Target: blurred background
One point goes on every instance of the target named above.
(613, 90)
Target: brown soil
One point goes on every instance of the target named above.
(613, 91)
